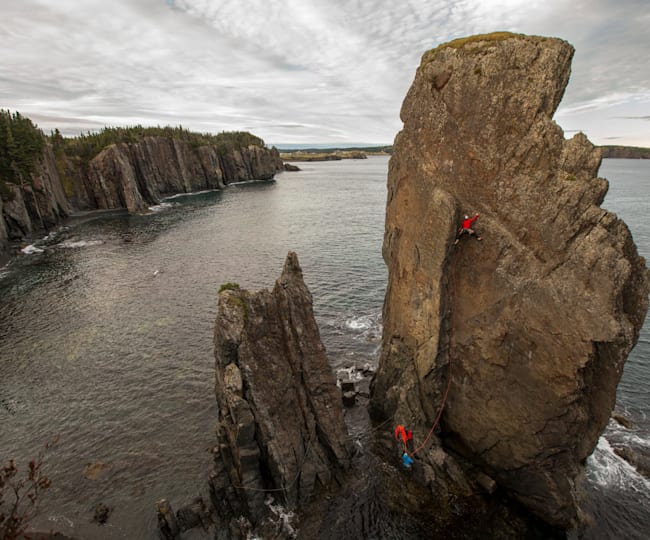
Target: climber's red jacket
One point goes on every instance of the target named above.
(467, 223)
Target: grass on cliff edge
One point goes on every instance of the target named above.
(460, 43)
(228, 287)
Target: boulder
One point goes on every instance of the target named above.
(17, 221)
(281, 430)
(168, 528)
(101, 513)
(532, 325)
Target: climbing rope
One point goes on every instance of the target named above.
(451, 358)
(289, 485)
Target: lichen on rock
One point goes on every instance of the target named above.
(538, 318)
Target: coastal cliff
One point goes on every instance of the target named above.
(131, 175)
(137, 175)
(522, 336)
(39, 203)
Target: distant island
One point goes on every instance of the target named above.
(625, 152)
(333, 154)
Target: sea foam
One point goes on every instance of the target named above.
(31, 250)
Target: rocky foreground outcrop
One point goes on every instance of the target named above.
(280, 428)
(538, 318)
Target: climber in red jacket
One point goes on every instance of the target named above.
(466, 228)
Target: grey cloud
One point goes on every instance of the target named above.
(338, 68)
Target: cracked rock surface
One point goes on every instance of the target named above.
(281, 431)
(539, 317)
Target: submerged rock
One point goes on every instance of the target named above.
(638, 458)
(101, 513)
(534, 323)
(93, 471)
(281, 430)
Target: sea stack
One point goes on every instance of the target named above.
(281, 431)
(536, 319)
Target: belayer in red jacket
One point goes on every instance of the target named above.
(466, 228)
(402, 433)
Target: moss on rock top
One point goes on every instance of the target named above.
(480, 42)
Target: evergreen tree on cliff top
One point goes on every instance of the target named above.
(21, 144)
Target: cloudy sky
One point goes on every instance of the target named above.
(298, 71)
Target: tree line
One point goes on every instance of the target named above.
(22, 144)
(87, 145)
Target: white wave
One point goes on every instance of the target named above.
(284, 518)
(631, 436)
(189, 194)
(162, 206)
(31, 249)
(352, 373)
(69, 244)
(359, 323)
(637, 439)
(607, 469)
(364, 325)
(50, 237)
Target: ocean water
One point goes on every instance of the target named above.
(618, 497)
(106, 337)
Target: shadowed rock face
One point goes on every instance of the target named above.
(539, 317)
(137, 175)
(281, 422)
(39, 204)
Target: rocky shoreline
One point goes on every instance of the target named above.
(133, 176)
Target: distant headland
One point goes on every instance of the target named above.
(337, 153)
(334, 153)
(625, 152)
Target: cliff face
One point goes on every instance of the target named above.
(39, 204)
(281, 422)
(4, 236)
(132, 176)
(538, 318)
(137, 175)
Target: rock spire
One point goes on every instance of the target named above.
(281, 430)
(539, 317)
